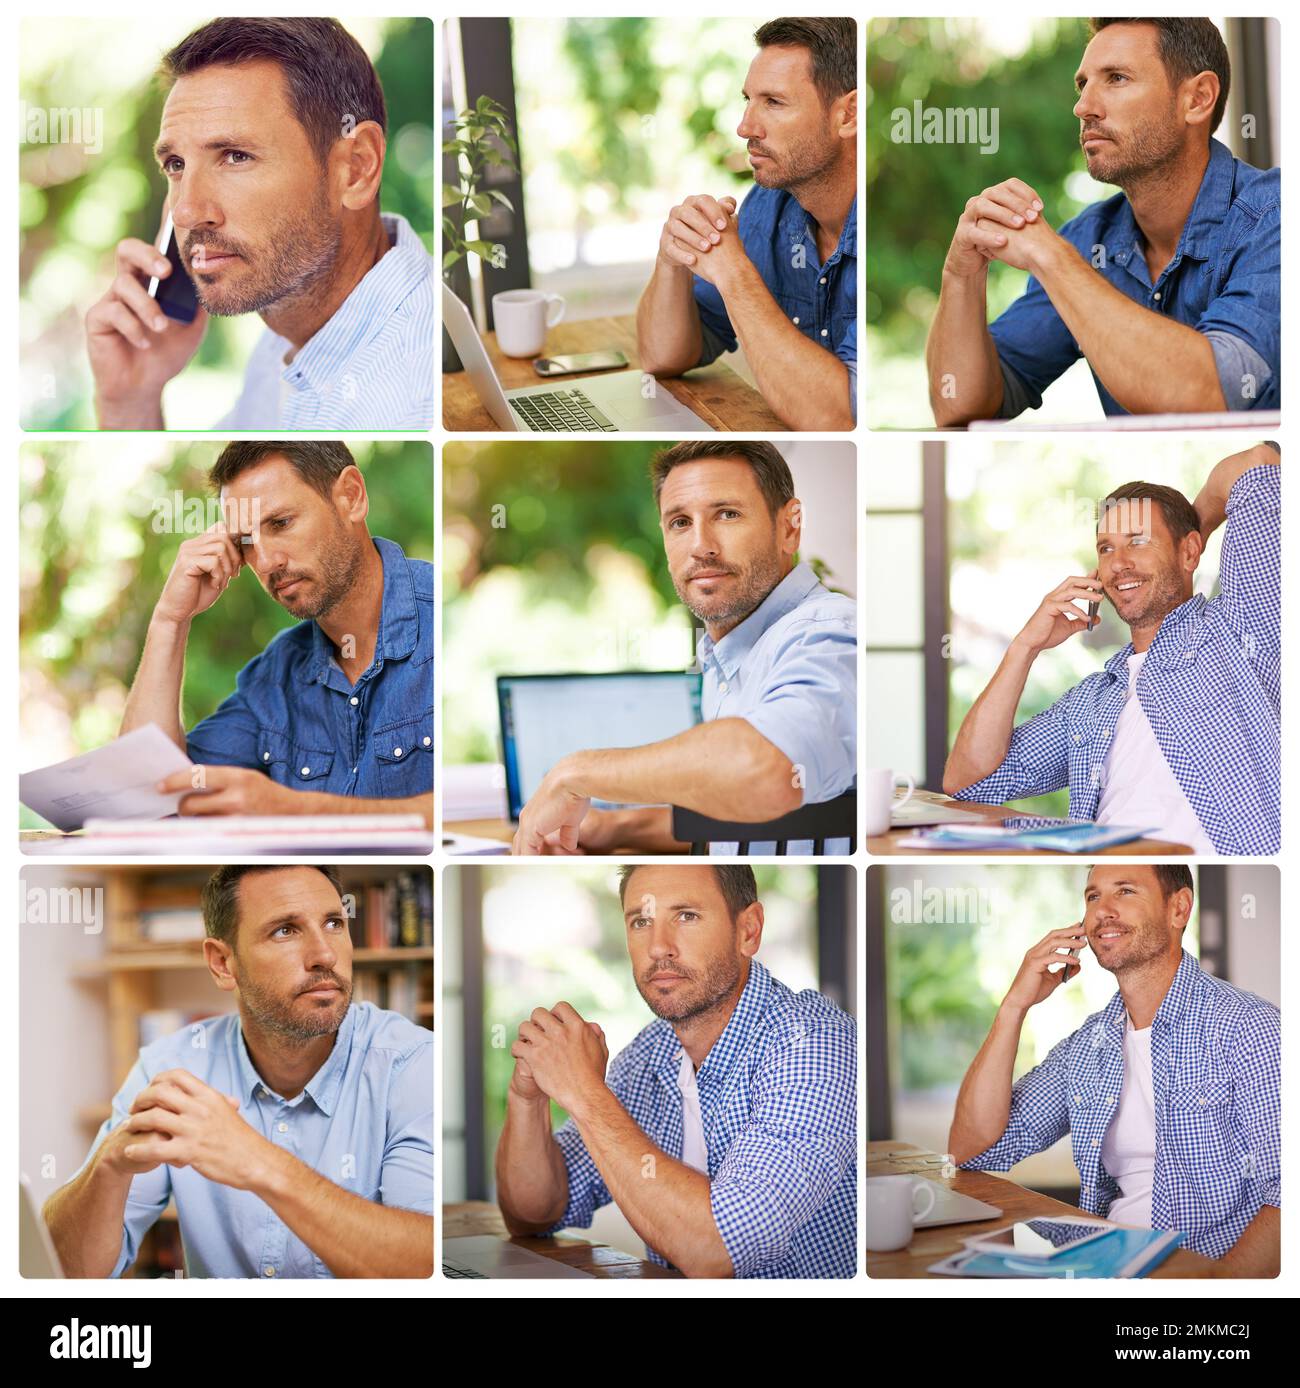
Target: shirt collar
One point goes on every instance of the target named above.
(323, 1087)
(725, 1051)
(399, 621)
(1182, 989)
(1177, 637)
(731, 651)
(1213, 201)
(794, 227)
(322, 362)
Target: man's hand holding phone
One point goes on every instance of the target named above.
(134, 348)
(1040, 973)
(201, 572)
(1059, 616)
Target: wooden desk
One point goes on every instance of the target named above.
(1015, 1201)
(478, 1217)
(504, 832)
(886, 844)
(716, 393)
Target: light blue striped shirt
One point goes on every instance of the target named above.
(364, 1121)
(790, 669)
(369, 367)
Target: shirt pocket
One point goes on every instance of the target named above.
(1206, 1148)
(403, 754)
(292, 763)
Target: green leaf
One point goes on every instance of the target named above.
(501, 198)
(451, 258)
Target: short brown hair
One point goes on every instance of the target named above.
(832, 46)
(1187, 46)
(737, 884)
(1179, 513)
(771, 471)
(1173, 877)
(221, 895)
(319, 462)
(332, 83)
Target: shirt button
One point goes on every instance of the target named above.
(306, 771)
(269, 1271)
(795, 321)
(1105, 732)
(1078, 1098)
(397, 751)
(427, 741)
(1095, 1143)
(354, 701)
(823, 279)
(1156, 295)
(266, 756)
(282, 1127)
(262, 1094)
(1077, 738)
(723, 687)
(824, 332)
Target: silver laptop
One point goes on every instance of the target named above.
(597, 404)
(952, 1208)
(36, 1255)
(482, 1255)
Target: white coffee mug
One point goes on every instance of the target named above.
(892, 1212)
(878, 799)
(521, 318)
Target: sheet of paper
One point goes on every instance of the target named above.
(115, 781)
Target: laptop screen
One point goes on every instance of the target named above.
(545, 717)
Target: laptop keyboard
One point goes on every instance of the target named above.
(561, 411)
(456, 1270)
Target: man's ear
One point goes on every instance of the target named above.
(848, 117)
(1194, 548)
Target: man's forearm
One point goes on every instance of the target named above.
(353, 1236)
(532, 1182)
(155, 695)
(984, 737)
(647, 829)
(804, 382)
(667, 1202)
(1212, 500)
(129, 414)
(960, 355)
(85, 1220)
(668, 336)
(724, 768)
(1258, 1252)
(984, 1100)
(1149, 363)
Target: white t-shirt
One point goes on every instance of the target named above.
(1128, 1150)
(1139, 791)
(695, 1151)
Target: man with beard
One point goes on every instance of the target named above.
(1180, 735)
(726, 1132)
(272, 142)
(780, 674)
(295, 1137)
(1170, 1095)
(780, 277)
(1171, 289)
(336, 715)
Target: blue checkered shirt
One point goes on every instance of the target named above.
(369, 367)
(778, 1095)
(1210, 687)
(1216, 1082)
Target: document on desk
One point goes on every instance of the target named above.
(115, 781)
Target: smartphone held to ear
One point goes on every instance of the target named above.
(175, 294)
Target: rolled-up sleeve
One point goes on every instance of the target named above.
(406, 1178)
(1250, 562)
(1243, 323)
(1257, 1096)
(1037, 761)
(799, 1143)
(1039, 1116)
(715, 325)
(807, 708)
(149, 1192)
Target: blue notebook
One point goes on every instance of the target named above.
(1026, 831)
(1122, 1253)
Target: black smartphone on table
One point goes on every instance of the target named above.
(579, 361)
(175, 294)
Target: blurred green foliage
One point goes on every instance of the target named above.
(92, 566)
(916, 192)
(76, 203)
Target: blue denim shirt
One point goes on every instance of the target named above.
(1224, 281)
(295, 716)
(820, 300)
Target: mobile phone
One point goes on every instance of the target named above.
(1093, 609)
(579, 361)
(175, 294)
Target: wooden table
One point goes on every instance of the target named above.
(479, 1217)
(504, 832)
(716, 393)
(1015, 1201)
(886, 844)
